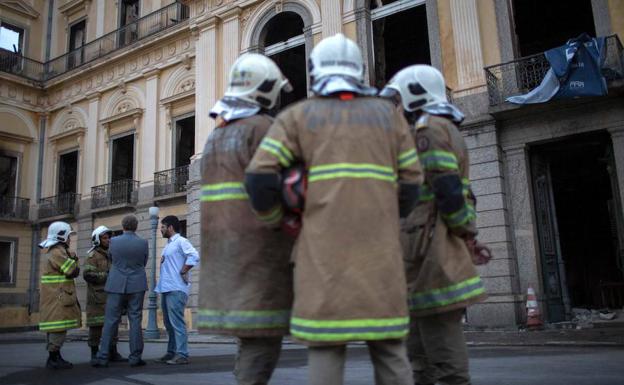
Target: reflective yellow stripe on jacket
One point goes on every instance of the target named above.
(46, 279)
(67, 265)
(243, 319)
(351, 170)
(66, 324)
(278, 150)
(458, 292)
(433, 160)
(349, 330)
(407, 158)
(223, 192)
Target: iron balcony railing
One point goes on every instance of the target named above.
(14, 207)
(522, 75)
(169, 182)
(124, 191)
(62, 204)
(142, 28)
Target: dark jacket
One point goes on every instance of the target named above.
(128, 254)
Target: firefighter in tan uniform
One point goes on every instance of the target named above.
(362, 171)
(95, 271)
(246, 276)
(438, 236)
(58, 306)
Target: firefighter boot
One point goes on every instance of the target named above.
(55, 361)
(94, 350)
(114, 355)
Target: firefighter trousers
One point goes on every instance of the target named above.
(256, 359)
(389, 357)
(55, 341)
(437, 349)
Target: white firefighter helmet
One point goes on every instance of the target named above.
(95, 235)
(57, 232)
(256, 79)
(338, 56)
(419, 86)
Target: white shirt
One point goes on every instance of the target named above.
(177, 253)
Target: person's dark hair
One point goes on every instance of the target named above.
(129, 223)
(172, 220)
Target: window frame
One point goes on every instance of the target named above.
(132, 132)
(13, 261)
(174, 133)
(394, 8)
(58, 167)
(24, 34)
(18, 168)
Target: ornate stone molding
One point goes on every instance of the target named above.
(78, 131)
(72, 6)
(5, 136)
(20, 7)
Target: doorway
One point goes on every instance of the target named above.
(579, 224)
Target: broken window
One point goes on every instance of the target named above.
(184, 147)
(284, 42)
(68, 172)
(400, 36)
(8, 175)
(122, 159)
(77, 38)
(11, 38)
(7, 261)
(542, 25)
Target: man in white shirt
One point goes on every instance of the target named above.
(178, 257)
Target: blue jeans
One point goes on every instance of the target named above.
(173, 304)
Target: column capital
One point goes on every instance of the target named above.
(203, 24)
(230, 14)
(515, 149)
(151, 73)
(95, 95)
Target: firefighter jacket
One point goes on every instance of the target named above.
(58, 306)
(349, 278)
(439, 269)
(95, 272)
(246, 276)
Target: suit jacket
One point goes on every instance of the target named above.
(128, 253)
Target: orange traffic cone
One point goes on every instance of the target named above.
(534, 317)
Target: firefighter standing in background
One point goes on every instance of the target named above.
(59, 307)
(438, 236)
(95, 272)
(246, 276)
(349, 279)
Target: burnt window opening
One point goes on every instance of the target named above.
(68, 172)
(542, 25)
(184, 141)
(77, 38)
(400, 39)
(8, 175)
(11, 38)
(122, 159)
(284, 42)
(7, 261)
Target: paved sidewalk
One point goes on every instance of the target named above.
(611, 336)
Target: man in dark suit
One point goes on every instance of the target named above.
(126, 286)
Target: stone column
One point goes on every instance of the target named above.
(205, 79)
(331, 12)
(364, 31)
(487, 181)
(467, 39)
(230, 43)
(99, 21)
(521, 209)
(150, 132)
(92, 151)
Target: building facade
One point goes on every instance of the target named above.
(104, 111)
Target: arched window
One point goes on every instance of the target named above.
(283, 40)
(400, 36)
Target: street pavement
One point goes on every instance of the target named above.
(211, 364)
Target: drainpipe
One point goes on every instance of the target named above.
(36, 228)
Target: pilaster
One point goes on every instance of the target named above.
(331, 12)
(230, 42)
(150, 131)
(467, 40)
(617, 137)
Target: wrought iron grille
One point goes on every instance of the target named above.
(14, 207)
(146, 26)
(522, 75)
(61, 204)
(171, 181)
(124, 191)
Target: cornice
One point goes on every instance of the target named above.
(15, 137)
(75, 131)
(229, 13)
(133, 113)
(178, 97)
(72, 6)
(20, 7)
